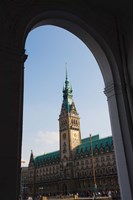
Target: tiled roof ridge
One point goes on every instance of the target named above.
(96, 143)
(47, 153)
(95, 140)
(96, 136)
(85, 143)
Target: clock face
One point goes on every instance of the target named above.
(75, 138)
(75, 135)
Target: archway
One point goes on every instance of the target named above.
(64, 189)
(100, 30)
(107, 63)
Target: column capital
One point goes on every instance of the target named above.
(112, 90)
(10, 53)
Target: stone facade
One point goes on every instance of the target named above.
(75, 167)
(24, 182)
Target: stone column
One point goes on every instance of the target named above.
(121, 130)
(11, 109)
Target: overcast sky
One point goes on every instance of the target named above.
(49, 48)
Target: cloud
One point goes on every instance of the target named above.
(24, 162)
(46, 141)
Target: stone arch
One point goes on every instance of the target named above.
(105, 57)
(96, 31)
(86, 34)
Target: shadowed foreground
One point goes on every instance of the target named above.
(76, 197)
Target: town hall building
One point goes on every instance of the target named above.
(80, 165)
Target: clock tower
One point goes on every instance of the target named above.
(69, 124)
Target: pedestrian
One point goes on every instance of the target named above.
(109, 194)
(30, 198)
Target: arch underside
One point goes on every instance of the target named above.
(103, 34)
(108, 60)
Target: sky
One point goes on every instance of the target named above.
(49, 48)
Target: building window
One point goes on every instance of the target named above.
(86, 161)
(108, 158)
(102, 159)
(82, 162)
(77, 163)
(96, 160)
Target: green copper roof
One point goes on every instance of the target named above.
(87, 140)
(47, 156)
(96, 143)
(67, 94)
(83, 147)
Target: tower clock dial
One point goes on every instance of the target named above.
(75, 138)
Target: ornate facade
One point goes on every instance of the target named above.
(72, 169)
(24, 182)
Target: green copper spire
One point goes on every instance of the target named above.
(66, 72)
(67, 94)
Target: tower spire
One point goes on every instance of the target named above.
(67, 93)
(66, 72)
(69, 124)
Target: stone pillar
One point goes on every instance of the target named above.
(121, 130)
(11, 109)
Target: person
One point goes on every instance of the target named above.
(30, 198)
(109, 193)
(19, 197)
(93, 197)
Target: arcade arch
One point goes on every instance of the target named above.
(108, 64)
(103, 37)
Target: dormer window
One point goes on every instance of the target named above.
(101, 148)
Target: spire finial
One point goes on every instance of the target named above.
(67, 93)
(31, 155)
(66, 72)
